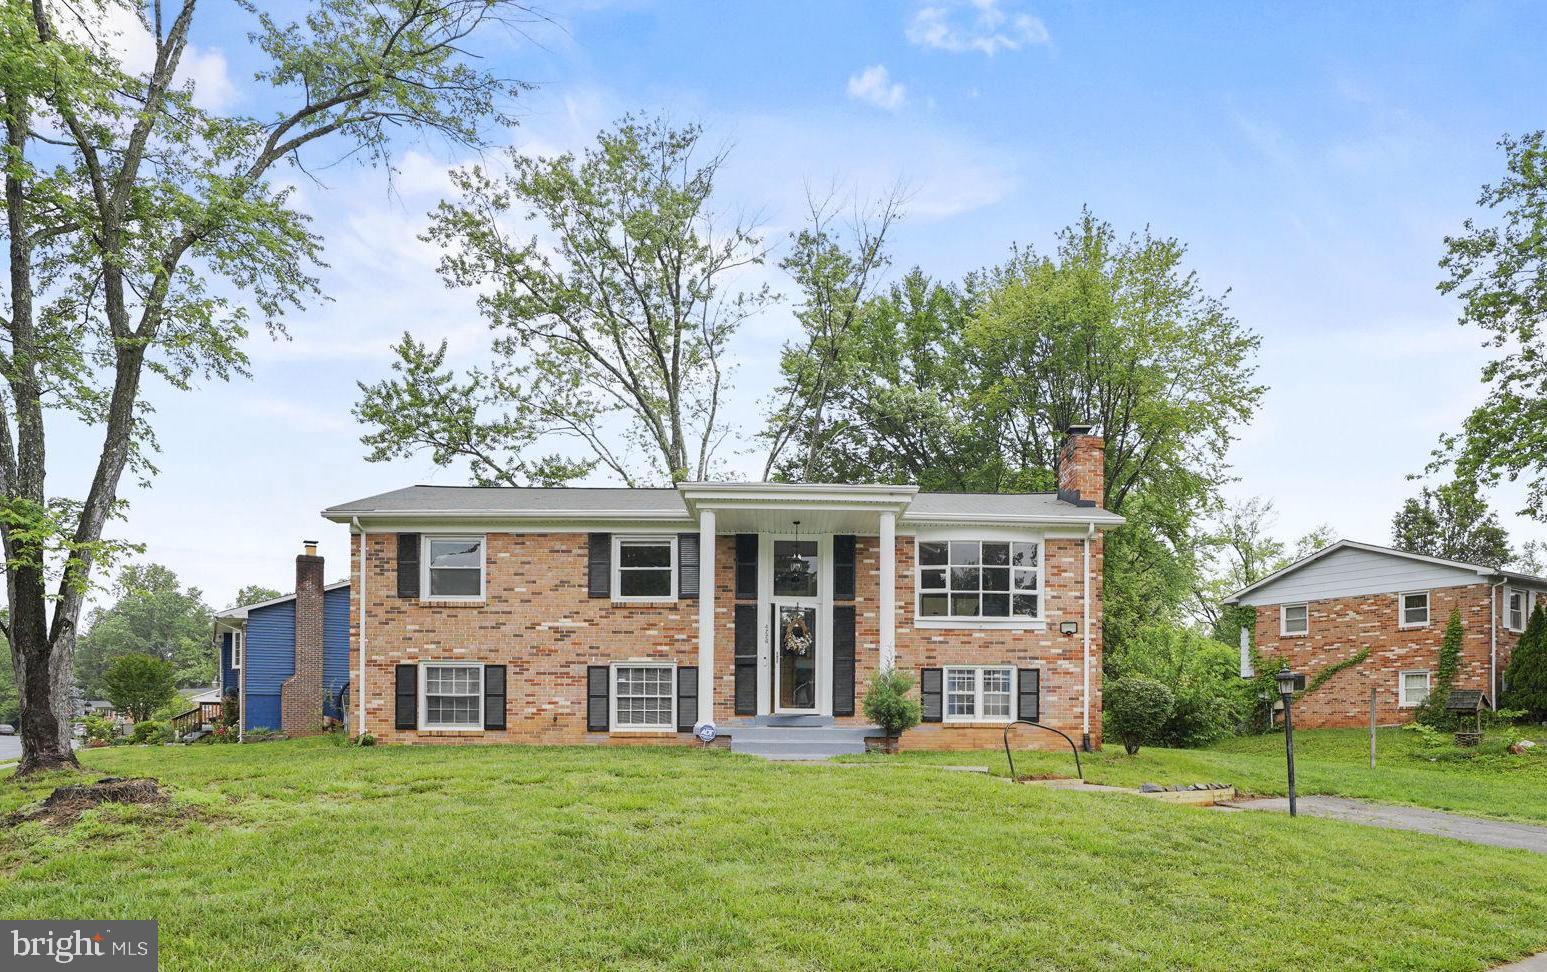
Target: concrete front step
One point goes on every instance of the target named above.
(778, 737)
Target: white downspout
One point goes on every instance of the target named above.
(1090, 531)
(1493, 640)
(360, 682)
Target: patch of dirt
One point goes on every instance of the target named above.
(1041, 777)
(65, 805)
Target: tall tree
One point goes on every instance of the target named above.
(1497, 266)
(836, 269)
(151, 614)
(254, 594)
(1452, 522)
(610, 329)
(138, 685)
(130, 213)
(1238, 550)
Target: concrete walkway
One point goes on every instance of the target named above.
(1477, 830)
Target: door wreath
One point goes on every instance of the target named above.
(797, 634)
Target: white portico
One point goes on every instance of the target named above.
(791, 584)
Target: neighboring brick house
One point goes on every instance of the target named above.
(287, 659)
(1348, 597)
(581, 615)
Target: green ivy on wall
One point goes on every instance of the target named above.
(1321, 677)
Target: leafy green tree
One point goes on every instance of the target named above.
(1497, 266)
(1526, 674)
(254, 594)
(1136, 710)
(611, 335)
(131, 217)
(138, 685)
(1432, 712)
(1452, 522)
(1238, 550)
(151, 614)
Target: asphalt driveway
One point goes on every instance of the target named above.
(10, 748)
(1499, 833)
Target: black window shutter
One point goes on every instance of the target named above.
(494, 696)
(843, 568)
(746, 566)
(931, 684)
(1028, 703)
(843, 660)
(746, 659)
(687, 565)
(687, 698)
(408, 565)
(598, 678)
(407, 697)
(599, 566)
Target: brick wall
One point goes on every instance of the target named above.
(301, 694)
(538, 621)
(1340, 628)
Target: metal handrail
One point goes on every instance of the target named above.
(1078, 769)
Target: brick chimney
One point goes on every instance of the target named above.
(301, 694)
(1082, 467)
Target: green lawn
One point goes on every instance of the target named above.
(1327, 761)
(302, 855)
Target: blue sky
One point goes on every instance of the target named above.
(1312, 157)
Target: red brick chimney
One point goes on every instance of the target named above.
(301, 694)
(1082, 467)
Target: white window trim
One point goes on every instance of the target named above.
(236, 649)
(617, 567)
(612, 696)
(977, 695)
(1428, 610)
(424, 709)
(483, 567)
(1428, 680)
(1283, 620)
(1509, 594)
(1037, 622)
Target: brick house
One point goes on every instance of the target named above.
(585, 615)
(1348, 597)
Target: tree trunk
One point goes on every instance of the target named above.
(45, 744)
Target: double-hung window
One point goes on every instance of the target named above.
(453, 567)
(236, 649)
(1515, 610)
(451, 695)
(1413, 689)
(644, 568)
(1415, 609)
(979, 579)
(643, 697)
(974, 693)
(1293, 619)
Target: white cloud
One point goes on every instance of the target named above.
(964, 26)
(122, 31)
(875, 86)
(206, 68)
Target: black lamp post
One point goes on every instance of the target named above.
(1288, 681)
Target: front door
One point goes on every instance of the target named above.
(795, 609)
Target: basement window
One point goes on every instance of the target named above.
(977, 694)
(644, 697)
(451, 695)
(1412, 689)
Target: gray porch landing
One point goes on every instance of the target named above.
(791, 737)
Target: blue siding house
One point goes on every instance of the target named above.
(258, 655)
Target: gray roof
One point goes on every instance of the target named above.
(666, 502)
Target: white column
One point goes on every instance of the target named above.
(705, 617)
(888, 599)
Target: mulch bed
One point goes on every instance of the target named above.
(65, 805)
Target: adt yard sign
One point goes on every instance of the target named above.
(707, 732)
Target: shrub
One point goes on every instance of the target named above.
(230, 709)
(886, 703)
(1526, 674)
(366, 739)
(99, 727)
(1212, 701)
(151, 731)
(1137, 709)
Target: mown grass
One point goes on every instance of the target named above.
(1327, 761)
(302, 855)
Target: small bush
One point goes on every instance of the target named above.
(100, 728)
(366, 739)
(887, 705)
(151, 732)
(1137, 709)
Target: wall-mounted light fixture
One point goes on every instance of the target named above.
(1069, 627)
